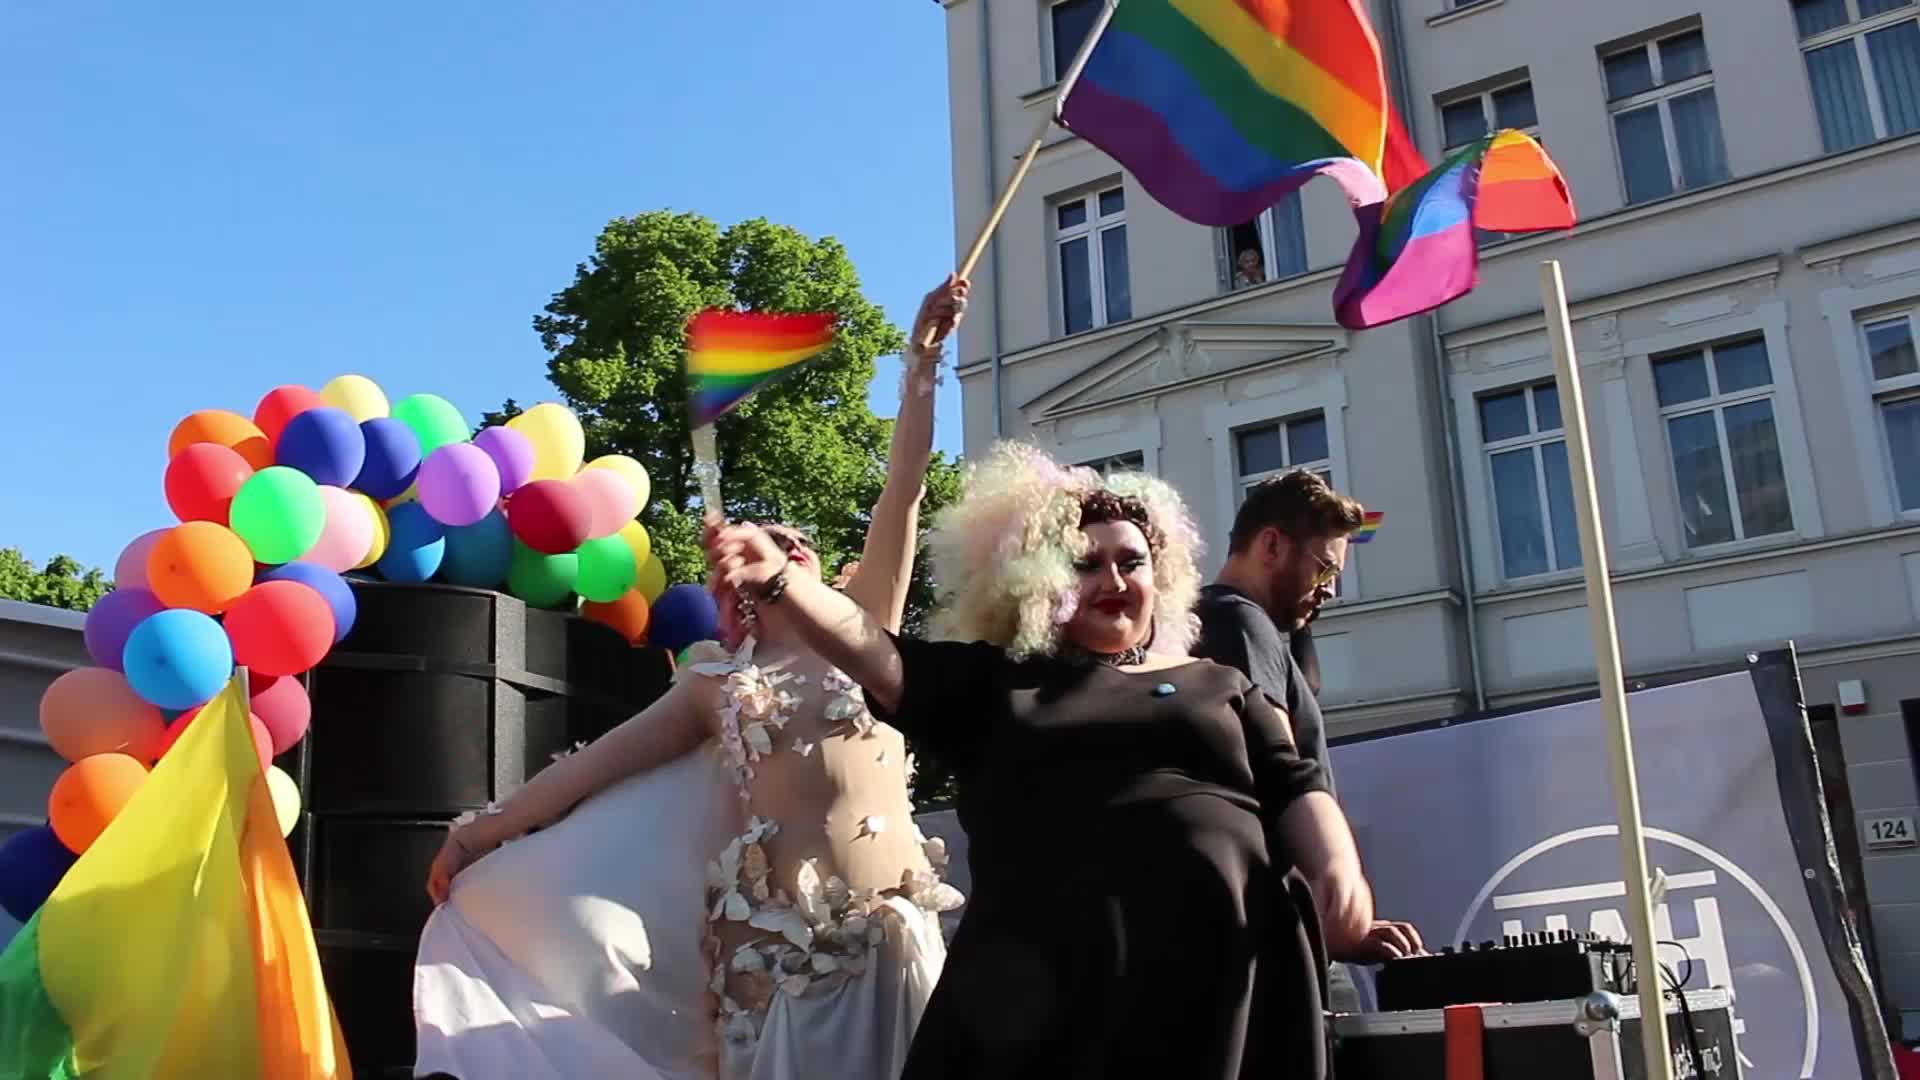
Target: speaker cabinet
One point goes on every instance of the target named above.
(441, 700)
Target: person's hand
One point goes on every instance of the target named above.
(743, 558)
(1387, 940)
(1345, 903)
(940, 312)
(457, 853)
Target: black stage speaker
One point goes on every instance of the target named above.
(441, 700)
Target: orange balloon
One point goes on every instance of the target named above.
(91, 711)
(627, 616)
(88, 796)
(229, 429)
(199, 565)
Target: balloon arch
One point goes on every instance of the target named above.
(275, 513)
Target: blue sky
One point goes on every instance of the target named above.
(200, 202)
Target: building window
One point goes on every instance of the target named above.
(1532, 495)
(1279, 447)
(1268, 248)
(1131, 461)
(1464, 118)
(1069, 23)
(1888, 344)
(1090, 235)
(1717, 403)
(1863, 64)
(1666, 120)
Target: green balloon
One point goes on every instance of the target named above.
(541, 580)
(434, 420)
(607, 569)
(279, 513)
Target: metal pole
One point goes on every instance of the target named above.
(1613, 690)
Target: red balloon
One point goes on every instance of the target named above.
(280, 628)
(550, 516)
(201, 480)
(283, 706)
(282, 404)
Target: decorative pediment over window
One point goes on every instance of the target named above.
(1183, 354)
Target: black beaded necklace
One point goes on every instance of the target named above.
(1132, 657)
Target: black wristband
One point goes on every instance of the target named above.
(775, 588)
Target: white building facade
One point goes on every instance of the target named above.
(1745, 284)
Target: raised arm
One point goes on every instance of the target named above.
(747, 561)
(671, 727)
(885, 571)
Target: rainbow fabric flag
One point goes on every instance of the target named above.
(178, 945)
(1221, 108)
(732, 355)
(1369, 525)
(1418, 250)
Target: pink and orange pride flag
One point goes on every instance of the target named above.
(178, 945)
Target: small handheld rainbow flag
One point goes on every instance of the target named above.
(1368, 526)
(732, 355)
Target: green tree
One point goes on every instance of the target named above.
(62, 583)
(806, 451)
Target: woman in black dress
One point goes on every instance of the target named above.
(1153, 864)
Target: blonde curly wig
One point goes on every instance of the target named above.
(1003, 555)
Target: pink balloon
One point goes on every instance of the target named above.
(283, 708)
(91, 711)
(459, 484)
(612, 499)
(347, 535)
(131, 571)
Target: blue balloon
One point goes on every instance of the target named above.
(415, 546)
(479, 554)
(31, 864)
(683, 615)
(392, 458)
(177, 659)
(325, 444)
(331, 586)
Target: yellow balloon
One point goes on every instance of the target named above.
(558, 443)
(634, 473)
(652, 579)
(382, 533)
(635, 534)
(357, 395)
(286, 798)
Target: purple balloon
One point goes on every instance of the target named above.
(459, 484)
(112, 619)
(512, 455)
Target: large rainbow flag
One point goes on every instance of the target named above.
(1221, 108)
(178, 945)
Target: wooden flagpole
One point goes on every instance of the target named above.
(1613, 690)
(1039, 139)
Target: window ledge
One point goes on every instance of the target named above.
(1763, 549)
(1455, 14)
(1034, 97)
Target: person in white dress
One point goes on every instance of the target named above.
(728, 885)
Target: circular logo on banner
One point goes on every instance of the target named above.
(1716, 926)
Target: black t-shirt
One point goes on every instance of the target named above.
(1237, 632)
